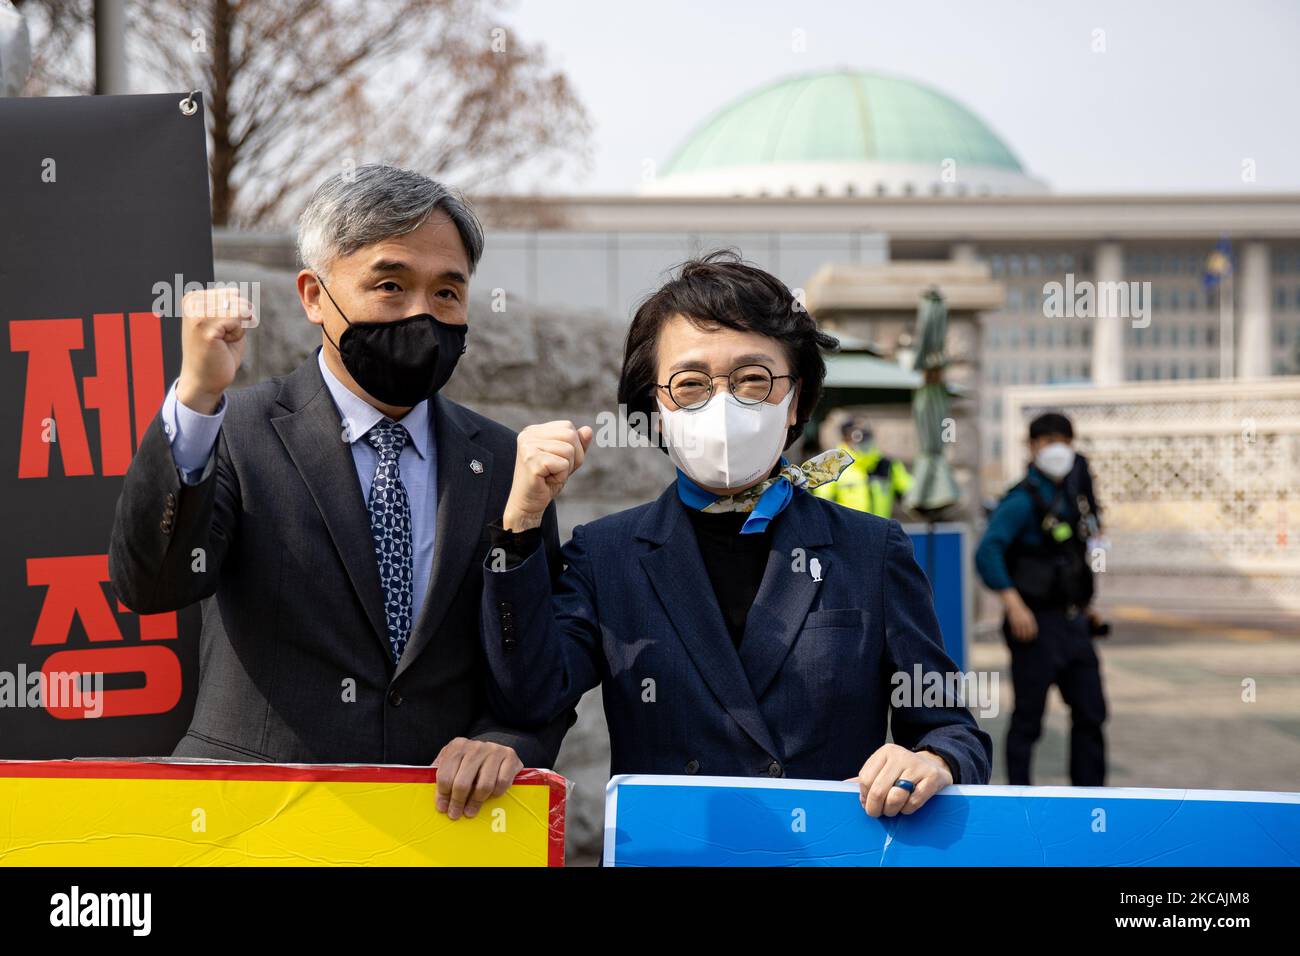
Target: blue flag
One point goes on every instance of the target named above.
(1217, 264)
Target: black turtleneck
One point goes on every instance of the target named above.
(735, 563)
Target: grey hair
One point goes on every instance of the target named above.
(375, 202)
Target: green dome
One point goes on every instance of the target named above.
(844, 116)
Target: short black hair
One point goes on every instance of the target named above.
(1051, 423)
(721, 289)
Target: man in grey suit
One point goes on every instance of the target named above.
(332, 521)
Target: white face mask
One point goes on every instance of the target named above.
(725, 443)
(1055, 460)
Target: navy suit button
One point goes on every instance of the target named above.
(774, 770)
(395, 697)
(693, 766)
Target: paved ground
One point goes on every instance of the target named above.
(1177, 718)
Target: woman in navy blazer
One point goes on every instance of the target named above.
(738, 625)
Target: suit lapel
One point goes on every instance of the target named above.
(677, 573)
(462, 515)
(313, 434)
(787, 590)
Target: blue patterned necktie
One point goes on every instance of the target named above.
(390, 524)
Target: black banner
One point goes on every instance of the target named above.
(106, 219)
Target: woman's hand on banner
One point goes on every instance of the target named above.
(213, 323)
(547, 456)
(928, 773)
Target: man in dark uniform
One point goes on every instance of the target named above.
(1034, 555)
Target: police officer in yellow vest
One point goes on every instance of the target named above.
(873, 481)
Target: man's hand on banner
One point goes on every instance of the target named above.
(927, 772)
(547, 455)
(213, 322)
(472, 771)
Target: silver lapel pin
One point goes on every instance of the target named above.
(476, 466)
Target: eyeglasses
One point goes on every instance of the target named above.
(750, 384)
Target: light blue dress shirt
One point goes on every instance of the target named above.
(193, 438)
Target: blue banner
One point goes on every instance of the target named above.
(733, 821)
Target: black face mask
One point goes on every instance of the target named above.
(403, 362)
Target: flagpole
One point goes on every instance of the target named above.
(1226, 344)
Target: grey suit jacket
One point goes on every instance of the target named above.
(294, 662)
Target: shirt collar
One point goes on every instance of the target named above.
(363, 416)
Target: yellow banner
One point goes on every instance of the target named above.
(126, 813)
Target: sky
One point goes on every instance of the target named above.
(1183, 95)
